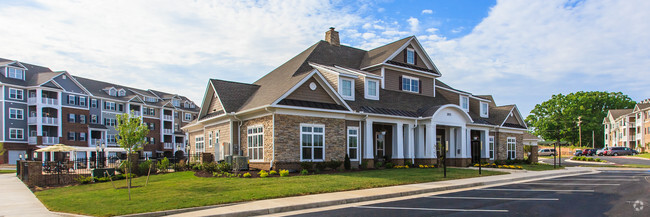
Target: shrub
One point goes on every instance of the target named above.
(409, 163)
(364, 164)
(273, 172)
(379, 164)
(320, 166)
(247, 175)
(284, 173)
(389, 165)
(304, 172)
(163, 165)
(346, 163)
(598, 160)
(84, 179)
(210, 167)
(224, 167)
(178, 167)
(263, 174)
(334, 164)
(307, 165)
(143, 168)
(590, 159)
(197, 167)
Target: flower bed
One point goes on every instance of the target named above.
(589, 159)
(493, 165)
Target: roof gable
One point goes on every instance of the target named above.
(322, 96)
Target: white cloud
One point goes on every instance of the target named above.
(414, 23)
(427, 11)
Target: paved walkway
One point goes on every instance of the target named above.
(17, 200)
(271, 206)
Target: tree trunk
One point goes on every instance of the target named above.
(128, 185)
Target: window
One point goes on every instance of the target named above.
(484, 109)
(152, 126)
(112, 92)
(372, 90)
(71, 100)
(71, 118)
(312, 142)
(122, 92)
(353, 143)
(464, 103)
(93, 119)
(198, 145)
(216, 138)
(110, 138)
(188, 116)
(109, 106)
(82, 119)
(15, 94)
(149, 111)
(346, 88)
(491, 147)
(256, 143)
(176, 102)
(93, 103)
(15, 73)
(120, 107)
(150, 99)
(152, 140)
(187, 104)
(16, 114)
(410, 84)
(512, 144)
(410, 56)
(71, 136)
(82, 101)
(109, 122)
(82, 136)
(16, 133)
(210, 139)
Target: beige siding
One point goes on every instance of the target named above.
(332, 78)
(400, 58)
(512, 119)
(306, 94)
(215, 105)
(392, 79)
(224, 136)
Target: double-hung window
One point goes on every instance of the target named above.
(93, 103)
(71, 100)
(410, 84)
(15, 94)
(484, 109)
(216, 138)
(255, 143)
(16, 114)
(464, 103)
(188, 117)
(82, 101)
(512, 144)
(71, 136)
(71, 118)
(312, 142)
(353, 143)
(109, 106)
(15, 73)
(491, 147)
(16, 133)
(410, 56)
(199, 147)
(111, 138)
(372, 89)
(82, 136)
(346, 88)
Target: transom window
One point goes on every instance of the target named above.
(16, 114)
(372, 90)
(15, 73)
(410, 56)
(16, 133)
(484, 109)
(512, 144)
(199, 146)
(256, 143)
(312, 142)
(464, 103)
(15, 94)
(353, 143)
(346, 88)
(410, 84)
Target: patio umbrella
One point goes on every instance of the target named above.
(57, 148)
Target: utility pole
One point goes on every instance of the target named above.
(593, 139)
(580, 130)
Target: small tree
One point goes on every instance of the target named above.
(132, 134)
(2, 149)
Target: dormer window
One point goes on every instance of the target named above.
(464, 103)
(150, 99)
(15, 73)
(372, 89)
(121, 92)
(410, 84)
(346, 90)
(186, 104)
(112, 92)
(484, 110)
(410, 56)
(176, 102)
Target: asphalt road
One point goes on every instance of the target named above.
(609, 193)
(612, 159)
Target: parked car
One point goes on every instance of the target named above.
(577, 153)
(616, 151)
(589, 152)
(546, 152)
(600, 151)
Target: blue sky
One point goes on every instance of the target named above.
(521, 52)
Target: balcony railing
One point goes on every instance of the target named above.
(168, 117)
(31, 100)
(50, 120)
(32, 120)
(31, 140)
(169, 145)
(50, 140)
(50, 101)
(167, 131)
(137, 113)
(631, 137)
(96, 141)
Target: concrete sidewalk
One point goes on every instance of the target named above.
(265, 207)
(17, 200)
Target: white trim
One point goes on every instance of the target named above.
(347, 142)
(366, 90)
(260, 144)
(312, 146)
(407, 54)
(410, 70)
(22, 94)
(514, 150)
(364, 74)
(351, 97)
(22, 114)
(22, 133)
(491, 148)
(410, 83)
(521, 121)
(322, 81)
(460, 102)
(383, 77)
(486, 110)
(463, 92)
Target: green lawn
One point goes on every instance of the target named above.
(7, 171)
(646, 155)
(183, 189)
(620, 166)
(538, 167)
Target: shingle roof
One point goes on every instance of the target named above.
(499, 114)
(616, 113)
(33, 75)
(233, 94)
(378, 55)
(528, 136)
(310, 104)
(643, 105)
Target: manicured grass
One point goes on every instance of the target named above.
(183, 189)
(7, 171)
(620, 166)
(538, 167)
(646, 155)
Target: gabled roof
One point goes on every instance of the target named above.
(381, 54)
(616, 113)
(643, 106)
(33, 75)
(233, 94)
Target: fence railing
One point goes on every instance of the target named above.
(50, 140)
(49, 120)
(49, 101)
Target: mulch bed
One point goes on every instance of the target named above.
(254, 173)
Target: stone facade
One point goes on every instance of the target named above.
(287, 142)
(502, 148)
(224, 136)
(267, 124)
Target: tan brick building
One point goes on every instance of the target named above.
(384, 104)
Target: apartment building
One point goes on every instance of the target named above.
(41, 107)
(628, 127)
(381, 105)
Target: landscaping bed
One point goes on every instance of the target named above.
(589, 159)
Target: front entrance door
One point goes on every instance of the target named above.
(380, 145)
(476, 152)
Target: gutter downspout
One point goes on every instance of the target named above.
(273, 137)
(238, 133)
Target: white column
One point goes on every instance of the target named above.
(400, 141)
(367, 149)
(39, 113)
(60, 114)
(451, 132)
(87, 159)
(486, 144)
(430, 140)
(411, 142)
(419, 147)
(464, 144)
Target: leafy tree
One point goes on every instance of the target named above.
(132, 134)
(556, 118)
(2, 149)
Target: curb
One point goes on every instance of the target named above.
(588, 162)
(349, 200)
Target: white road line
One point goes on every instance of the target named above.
(491, 198)
(435, 209)
(549, 183)
(516, 189)
(595, 180)
(630, 176)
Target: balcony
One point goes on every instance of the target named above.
(31, 100)
(168, 117)
(169, 145)
(32, 120)
(50, 101)
(50, 140)
(167, 131)
(50, 121)
(96, 141)
(31, 140)
(631, 138)
(137, 113)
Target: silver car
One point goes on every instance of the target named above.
(546, 152)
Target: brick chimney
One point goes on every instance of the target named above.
(332, 37)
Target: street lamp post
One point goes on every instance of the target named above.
(96, 156)
(580, 130)
(187, 151)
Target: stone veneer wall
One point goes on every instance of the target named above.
(224, 136)
(267, 123)
(502, 145)
(287, 142)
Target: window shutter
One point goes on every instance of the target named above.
(420, 85)
(406, 55)
(415, 58)
(400, 82)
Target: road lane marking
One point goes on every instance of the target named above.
(491, 198)
(550, 183)
(594, 180)
(630, 176)
(517, 189)
(435, 209)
